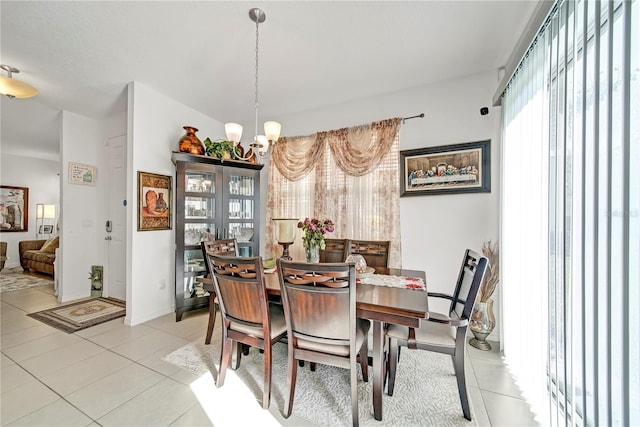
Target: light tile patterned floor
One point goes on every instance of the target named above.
(113, 375)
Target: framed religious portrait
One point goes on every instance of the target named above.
(14, 208)
(446, 169)
(154, 202)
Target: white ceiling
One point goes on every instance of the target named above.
(81, 54)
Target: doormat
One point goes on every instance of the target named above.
(81, 315)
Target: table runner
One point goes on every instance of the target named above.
(394, 281)
(385, 280)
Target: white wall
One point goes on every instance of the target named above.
(40, 176)
(436, 229)
(155, 127)
(80, 139)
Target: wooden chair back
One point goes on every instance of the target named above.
(319, 301)
(374, 252)
(472, 271)
(218, 247)
(335, 250)
(239, 285)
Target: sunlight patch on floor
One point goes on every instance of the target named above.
(216, 402)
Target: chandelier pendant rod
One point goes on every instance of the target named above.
(256, 105)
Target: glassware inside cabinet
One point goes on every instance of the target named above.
(193, 289)
(241, 185)
(195, 233)
(199, 207)
(240, 209)
(242, 232)
(194, 261)
(199, 182)
(245, 251)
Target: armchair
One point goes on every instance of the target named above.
(444, 333)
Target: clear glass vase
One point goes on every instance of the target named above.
(482, 324)
(313, 253)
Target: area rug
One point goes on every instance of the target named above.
(14, 279)
(425, 394)
(81, 315)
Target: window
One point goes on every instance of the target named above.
(349, 176)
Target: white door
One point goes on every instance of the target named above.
(115, 271)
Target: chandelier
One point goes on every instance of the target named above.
(13, 88)
(261, 143)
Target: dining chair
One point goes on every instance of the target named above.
(247, 316)
(443, 333)
(217, 247)
(335, 250)
(374, 252)
(320, 310)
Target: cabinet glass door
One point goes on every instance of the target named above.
(199, 220)
(241, 212)
(194, 267)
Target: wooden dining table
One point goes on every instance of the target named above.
(381, 304)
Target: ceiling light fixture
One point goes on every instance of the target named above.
(13, 88)
(261, 143)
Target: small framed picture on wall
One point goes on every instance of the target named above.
(154, 202)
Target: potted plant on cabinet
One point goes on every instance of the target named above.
(220, 149)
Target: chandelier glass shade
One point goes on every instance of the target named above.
(13, 88)
(234, 132)
(261, 143)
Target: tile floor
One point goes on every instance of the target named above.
(113, 375)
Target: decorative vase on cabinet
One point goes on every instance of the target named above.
(189, 143)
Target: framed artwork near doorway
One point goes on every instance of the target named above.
(14, 208)
(46, 229)
(446, 169)
(154, 202)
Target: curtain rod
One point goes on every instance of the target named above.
(421, 115)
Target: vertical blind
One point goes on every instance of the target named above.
(571, 205)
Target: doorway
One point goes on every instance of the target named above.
(116, 218)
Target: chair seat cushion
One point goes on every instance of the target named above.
(278, 324)
(430, 333)
(362, 329)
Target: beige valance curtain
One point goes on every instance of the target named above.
(348, 175)
(357, 150)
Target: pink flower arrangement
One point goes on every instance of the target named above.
(314, 231)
